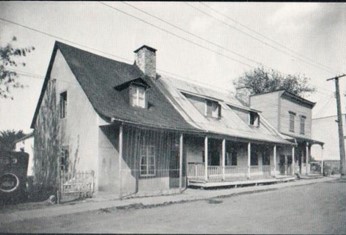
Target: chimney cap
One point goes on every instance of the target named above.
(145, 46)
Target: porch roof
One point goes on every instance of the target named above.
(303, 139)
(230, 124)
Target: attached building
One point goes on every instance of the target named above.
(291, 115)
(140, 132)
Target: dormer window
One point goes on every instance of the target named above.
(137, 96)
(212, 109)
(254, 119)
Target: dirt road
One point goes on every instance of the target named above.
(317, 208)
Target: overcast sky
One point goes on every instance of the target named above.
(275, 35)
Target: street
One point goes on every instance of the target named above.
(317, 208)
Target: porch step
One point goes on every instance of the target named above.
(204, 184)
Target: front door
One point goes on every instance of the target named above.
(282, 164)
(174, 169)
(289, 165)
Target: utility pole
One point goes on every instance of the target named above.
(341, 132)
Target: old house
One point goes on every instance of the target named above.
(141, 132)
(291, 115)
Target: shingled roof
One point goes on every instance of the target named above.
(98, 76)
(230, 124)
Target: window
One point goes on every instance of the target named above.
(137, 96)
(213, 109)
(64, 159)
(254, 159)
(254, 119)
(302, 125)
(292, 117)
(63, 103)
(147, 160)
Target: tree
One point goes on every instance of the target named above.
(8, 138)
(8, 62)
(260, 80)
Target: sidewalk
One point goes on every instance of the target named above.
(188, 195)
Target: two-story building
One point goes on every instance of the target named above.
(142, 132)
(291, 115)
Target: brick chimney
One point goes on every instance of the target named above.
(145, 59)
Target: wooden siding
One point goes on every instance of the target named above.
(166, 148)
(300, 110)
(269, 105)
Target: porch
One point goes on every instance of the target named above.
(230, 163)
(228, 173)
(233, 176)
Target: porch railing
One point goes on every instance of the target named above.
(196, 171)
(234, 172)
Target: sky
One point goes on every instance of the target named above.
(210, 43)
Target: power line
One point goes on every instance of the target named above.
(175, 35)
(253, 37)
(195, 35)
(163, 29)
(57, 37)
(90, 48)
(254, 31)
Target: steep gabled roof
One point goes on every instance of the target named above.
(230, 123)
(98, 76)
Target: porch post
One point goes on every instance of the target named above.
(120, 157)
(307, 157)
(223, 158)
(181, 140)
(274, 156)
(293, 161)
(322, 159)
(249, 160)
(206, 158)
(286, 165)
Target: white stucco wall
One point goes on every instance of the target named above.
(79, 130)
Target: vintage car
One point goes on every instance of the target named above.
(13, 176)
